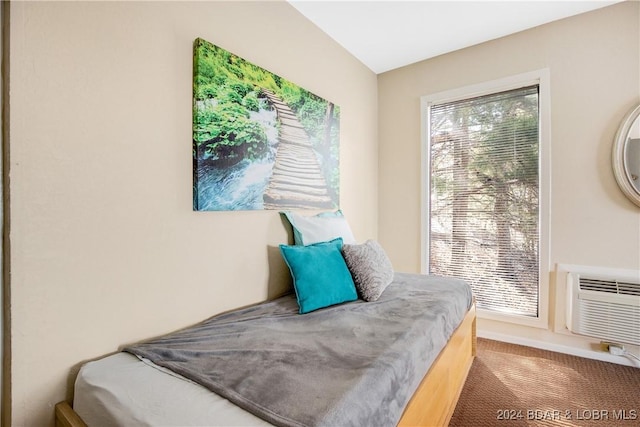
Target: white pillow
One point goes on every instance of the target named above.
(323, 227)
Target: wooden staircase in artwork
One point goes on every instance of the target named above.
(297, 181)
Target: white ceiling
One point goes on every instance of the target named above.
(389, 34)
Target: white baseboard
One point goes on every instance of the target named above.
(543, 345)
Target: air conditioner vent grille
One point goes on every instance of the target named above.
(605, 306)
(610, 286)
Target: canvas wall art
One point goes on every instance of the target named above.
(259, 141)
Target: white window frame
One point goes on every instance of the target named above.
(542, 79)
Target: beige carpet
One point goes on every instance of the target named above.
(512, 385)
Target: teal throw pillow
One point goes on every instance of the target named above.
(320, 275)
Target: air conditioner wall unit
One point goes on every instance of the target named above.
(604, 307)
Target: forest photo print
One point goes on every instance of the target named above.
(259, 141)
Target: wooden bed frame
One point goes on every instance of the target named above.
(433, 402)
(435, 399)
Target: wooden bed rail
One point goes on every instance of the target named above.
(435, 399)
(66, 416)
(433, 402)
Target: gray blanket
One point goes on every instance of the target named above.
(355, 364)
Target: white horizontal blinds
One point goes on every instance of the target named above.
(484, 197)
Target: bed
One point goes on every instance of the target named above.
(134, 387)
(356, 343)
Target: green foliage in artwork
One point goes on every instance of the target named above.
(224, 130)
(226, 88)
(251, 102)
(222, 100)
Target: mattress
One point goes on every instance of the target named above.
(122, 390)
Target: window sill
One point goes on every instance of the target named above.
(534, 322)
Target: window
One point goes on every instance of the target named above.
(482, 219)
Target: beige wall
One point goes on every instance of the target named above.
(594, 65)
(105, 246)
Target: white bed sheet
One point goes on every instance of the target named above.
(122, 390)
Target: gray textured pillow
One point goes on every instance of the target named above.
(370, 267)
